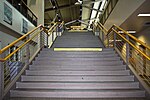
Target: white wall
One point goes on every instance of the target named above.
(144, 36)
(6, 39)
(122, 10)
(17, 18)
(37, 6)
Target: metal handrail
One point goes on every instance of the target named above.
(137, 40)
(29, 9)
(131, 44)
(19, 39)
(23, 37)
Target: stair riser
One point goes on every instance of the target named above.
(78, 59)
(28, 72)
(79, 86)
(111, 94)
(78, 53)
(63, 55)
(77, 78)
(78, 63)
(76, 69)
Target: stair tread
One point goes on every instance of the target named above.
(96, 86)
(77, 93)
(49, 72)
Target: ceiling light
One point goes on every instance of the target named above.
(19, 4)
(144, 15)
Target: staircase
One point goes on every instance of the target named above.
(77, 75)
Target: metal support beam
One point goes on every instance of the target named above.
(83, 22)
(60, 7)
(92, 8)
(70, 22)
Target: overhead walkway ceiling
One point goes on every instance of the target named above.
(137, 23)
(122, 10)
(68, 10)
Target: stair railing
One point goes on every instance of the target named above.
(135, 53)
(17, 56)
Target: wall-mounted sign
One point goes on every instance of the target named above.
(7, 14)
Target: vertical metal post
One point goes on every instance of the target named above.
(102, 36)
(1, 79)
(27, 52)
(52, 36)
(41, 39)
(114, 40)
(46, 40)
(97, 32)
(108, 41)
(144, 61)
(127, 50)
(57, 31)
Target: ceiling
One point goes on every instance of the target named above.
(67, 11)
(134, 22)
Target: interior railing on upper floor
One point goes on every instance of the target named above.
(107, 10)
(22, 7)
(16, 57)
(135, 53)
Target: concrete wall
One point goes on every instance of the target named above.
(17, 18)
(6, 39)
(37, 6)
(144, 36)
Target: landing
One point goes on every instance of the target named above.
(77, 40)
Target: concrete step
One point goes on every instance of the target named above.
(77, 53)
(77, 86)
(74, 56)
(104, 49)
(76, 78)
(49, 72)
(78, 68)
(78, 94)
(79, 62)
(77, 59)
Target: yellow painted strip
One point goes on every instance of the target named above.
(78, 49)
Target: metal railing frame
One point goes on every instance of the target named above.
(25, 43)
(112, 34)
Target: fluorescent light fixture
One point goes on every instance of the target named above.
(93, 14)
(144, 15)
(102, 6)
(127, 31)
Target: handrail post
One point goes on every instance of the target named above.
(1, 79)
(127, 50)
(1, 76)
(102, 33)
(47, 40)
(97, 31)
(41, 39)
(114, 39)
(52, 36)
(57, 30)
(27, 52)
(108, 41)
